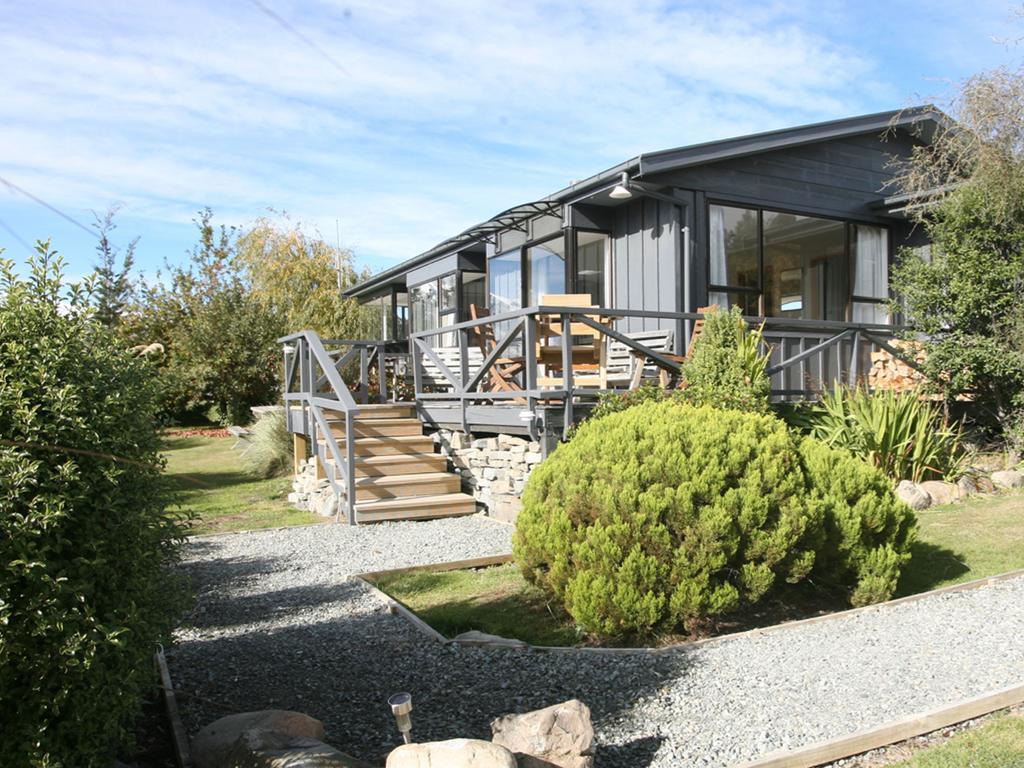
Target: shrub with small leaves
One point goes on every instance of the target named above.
(85, 538)
(727, 367)
(666, 515)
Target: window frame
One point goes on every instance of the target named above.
(760, 209)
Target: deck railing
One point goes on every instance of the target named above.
(805, 355)
(314, 381)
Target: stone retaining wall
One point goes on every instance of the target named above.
(493, 469)
(311, 494)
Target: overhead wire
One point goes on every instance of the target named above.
(288, 27)
(14, 187)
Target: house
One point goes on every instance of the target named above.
(797, 226)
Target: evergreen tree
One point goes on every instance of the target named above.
(114, 287)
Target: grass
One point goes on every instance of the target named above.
(981, 537)
(998, 743)
(216, 487)
(496, 600)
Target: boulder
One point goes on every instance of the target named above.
(454, 753)
(214, 743)
(967, 485)
(913, 494)
(1008, 478)
(258, 748)
(476, 637)
(561, 735)
(984, 484)
(941, 491)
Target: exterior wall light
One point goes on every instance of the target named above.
(621, 190)
(401, 707)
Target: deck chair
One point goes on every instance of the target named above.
(630, 366)
(505, 369)
(588, 353)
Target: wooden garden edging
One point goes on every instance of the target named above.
(398, 607)
(803, 757)
(899, 730)
(179, 739)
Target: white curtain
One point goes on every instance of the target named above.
(871, 262)
(718, 270)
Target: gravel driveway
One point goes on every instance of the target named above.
(279, 625)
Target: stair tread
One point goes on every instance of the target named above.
(437, 500)
(384, 421)
(389, 438)
(420, 477)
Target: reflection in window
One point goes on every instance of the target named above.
(804, 273)
(545, 269)
(505, 288)
(423, 299)
(733, 237)
(474, 291)
(591, 251)
(747, 302)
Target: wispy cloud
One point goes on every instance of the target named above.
(439, 115)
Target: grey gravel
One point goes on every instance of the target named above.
(278, 624)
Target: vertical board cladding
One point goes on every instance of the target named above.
(646, 263)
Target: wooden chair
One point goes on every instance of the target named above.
(630, 366)
(504, 369)
(430, 373)
(588, 348)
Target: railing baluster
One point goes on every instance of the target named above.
(567, 414)
(350, 467)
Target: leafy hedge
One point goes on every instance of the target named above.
(85, 540)
(666, 514)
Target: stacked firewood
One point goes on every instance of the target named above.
(890, 372)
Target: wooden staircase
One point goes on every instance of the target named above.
(397, 474)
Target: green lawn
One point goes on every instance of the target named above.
(495, 600)
(217, 488)
(996, 744)
(981, 537)
(960, 542)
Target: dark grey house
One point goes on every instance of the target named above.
(798, 227)
(796, 223)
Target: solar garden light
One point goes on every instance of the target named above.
(401, 707)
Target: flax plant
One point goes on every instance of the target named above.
(901, 433)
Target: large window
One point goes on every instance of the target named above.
(423, 299)
(545, 269)
(788, 265)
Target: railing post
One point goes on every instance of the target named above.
(350, 467)
(530, 357)
(382, 374)
(364, 375)
(854, 359)
(417, 367)
(567, 414)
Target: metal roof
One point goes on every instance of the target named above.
(924, 117)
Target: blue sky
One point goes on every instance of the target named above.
(401, 122)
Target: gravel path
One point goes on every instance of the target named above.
(279, 625)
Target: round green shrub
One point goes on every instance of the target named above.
(666, 515)
(868, 532)
(85, 539)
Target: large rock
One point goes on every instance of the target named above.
(561, 735)
(913, 494)
(258, 748)
(940, 491)
(1008, 478)
(476, 637)
(454, 753)
(212, 746)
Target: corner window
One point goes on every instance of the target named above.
(545, 269)
(780, 264)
